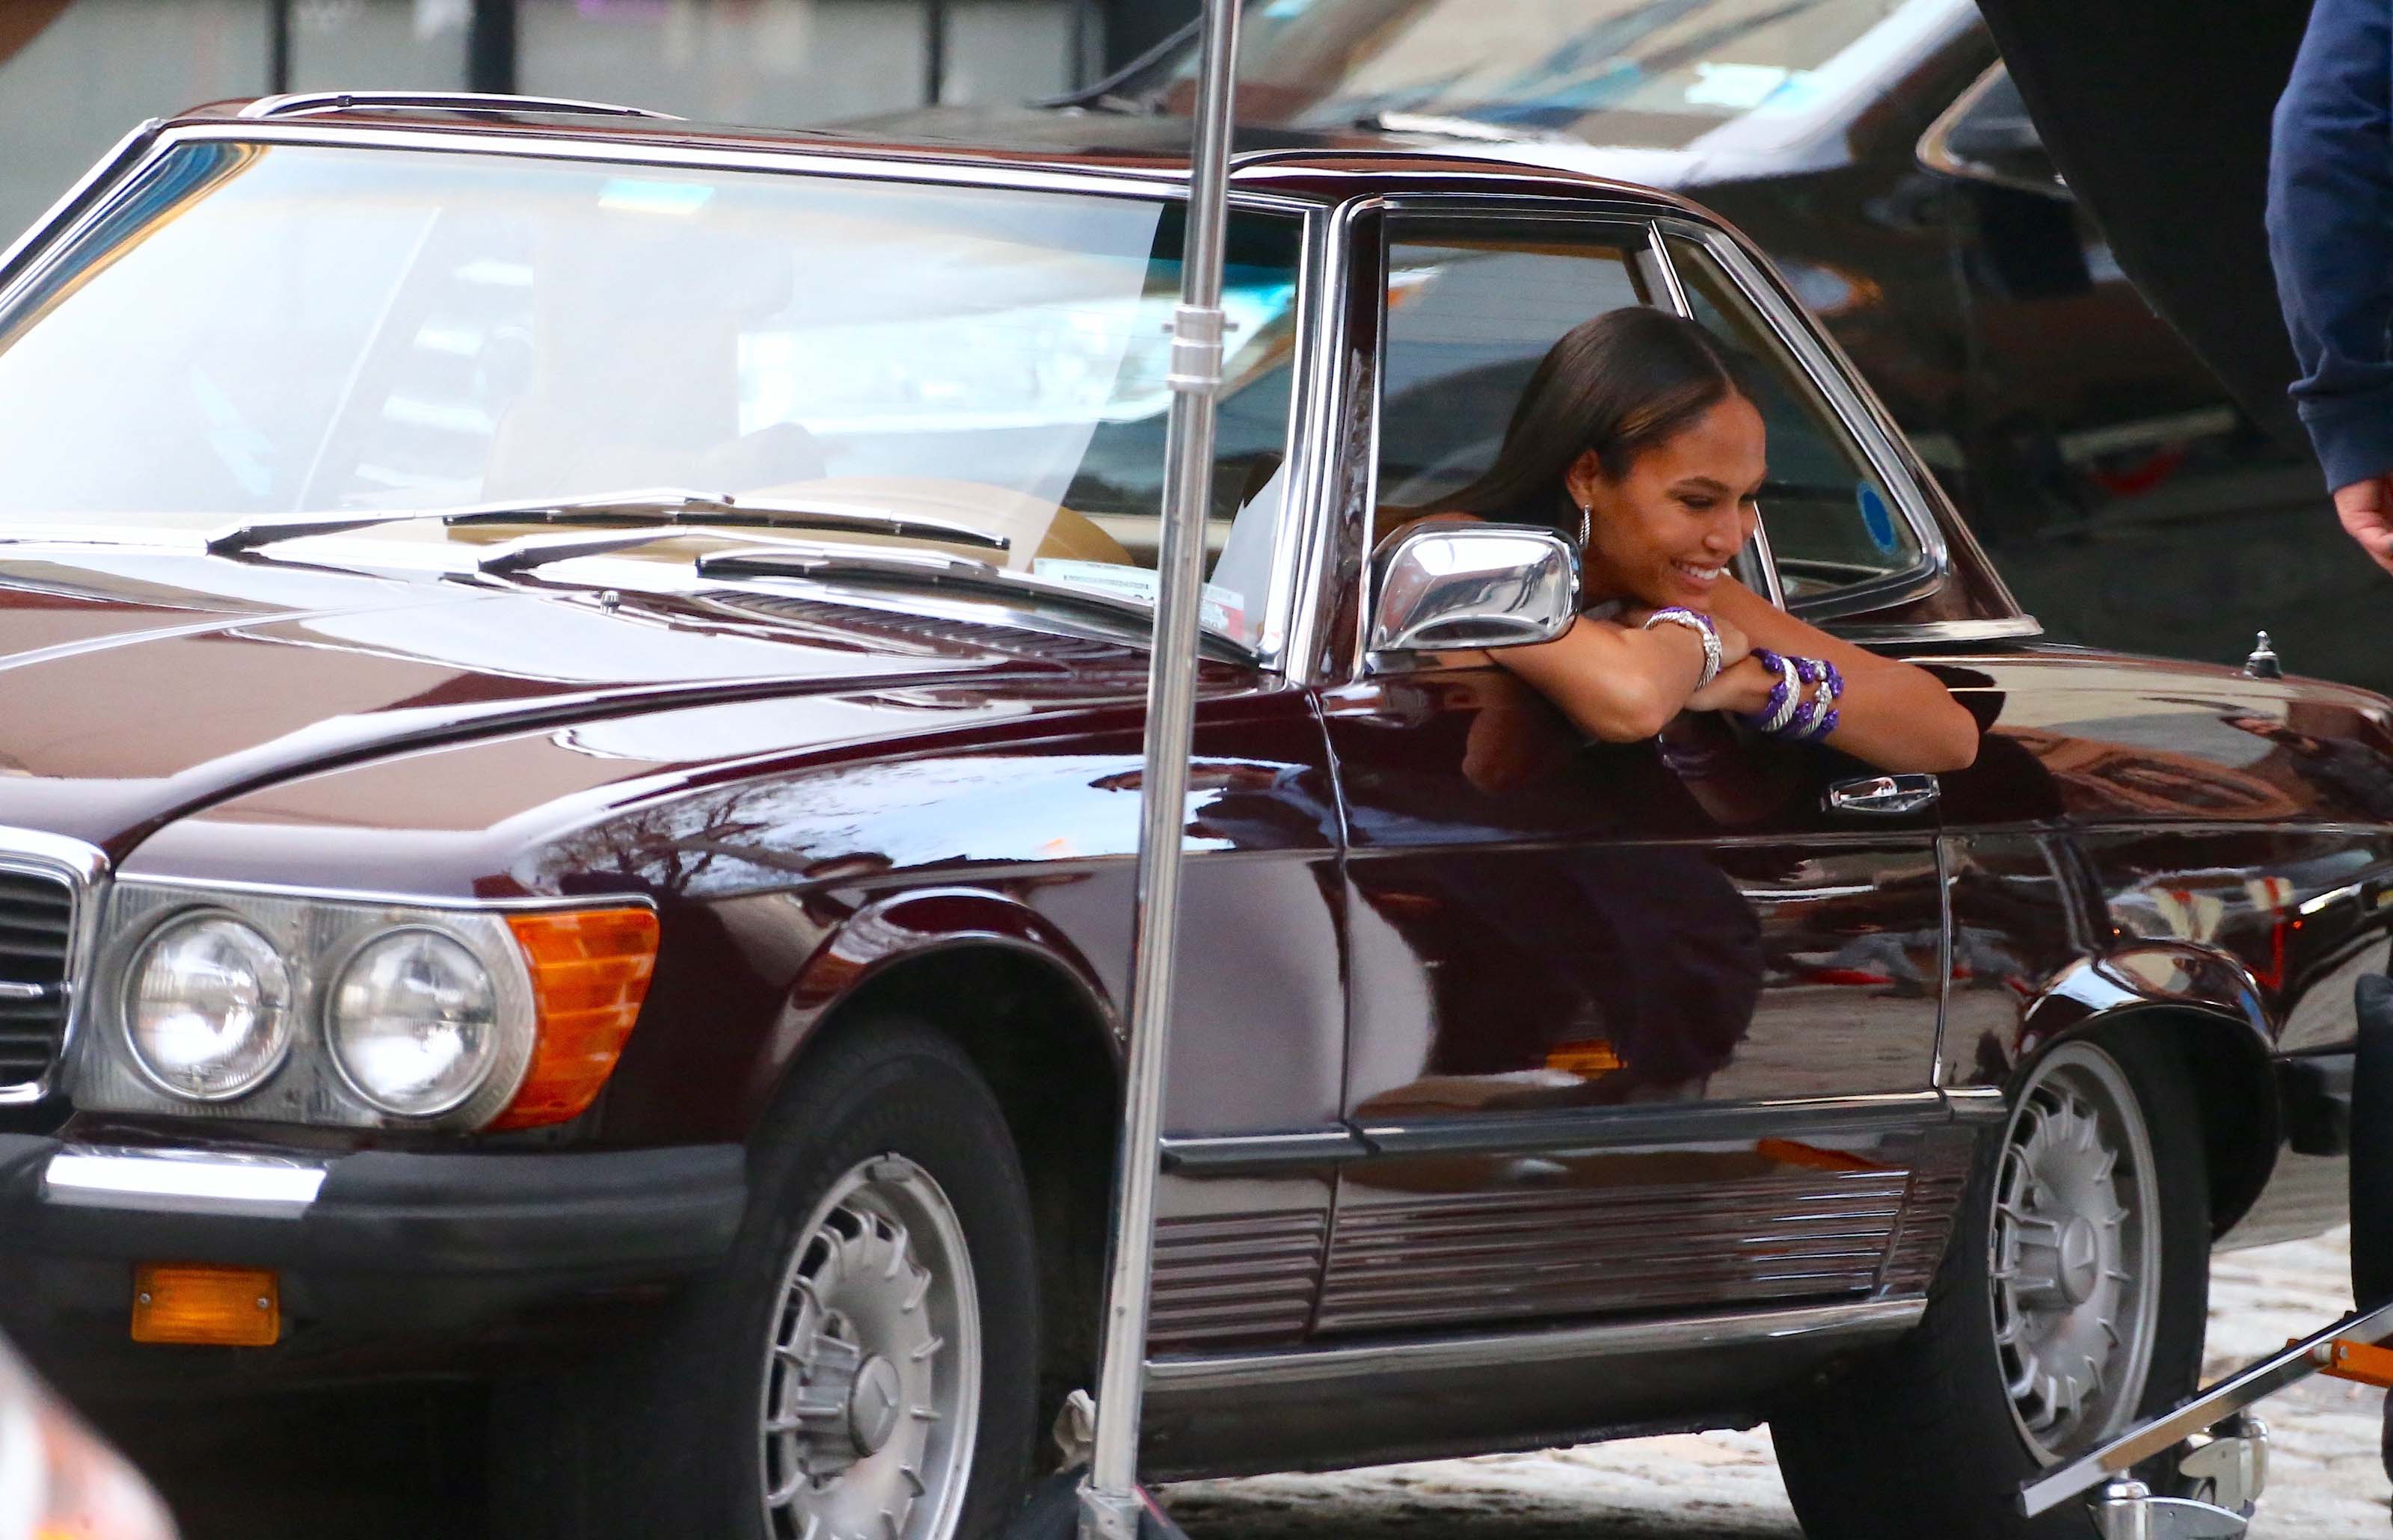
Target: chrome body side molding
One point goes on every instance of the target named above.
(1250, 1153)
(1935, 633)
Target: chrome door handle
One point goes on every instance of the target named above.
(1884, 796)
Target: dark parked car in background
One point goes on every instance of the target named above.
(468, 912)
(1877, 152)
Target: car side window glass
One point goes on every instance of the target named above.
(1472, 307)
(1830, 519)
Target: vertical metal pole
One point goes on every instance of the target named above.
(935, 51)
(277, 47)
(491, 44)
(1109, 1501)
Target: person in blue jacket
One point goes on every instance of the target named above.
(2331, 240)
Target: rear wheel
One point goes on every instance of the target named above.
(2071, 1303)
(864, 1363)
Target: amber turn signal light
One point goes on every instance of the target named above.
(194, 1302)
(590, 971)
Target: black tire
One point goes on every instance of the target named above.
(1924, 1439)
(668, 1439)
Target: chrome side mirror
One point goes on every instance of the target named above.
(1450, 586)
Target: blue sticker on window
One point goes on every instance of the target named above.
(1876, 517)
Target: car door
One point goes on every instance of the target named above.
(1628, 1031)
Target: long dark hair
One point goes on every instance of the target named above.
(1618, 384)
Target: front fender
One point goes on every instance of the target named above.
(889, 932)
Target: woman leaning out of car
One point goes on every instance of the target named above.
(1635, 438)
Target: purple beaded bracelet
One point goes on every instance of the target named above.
(1802, 705)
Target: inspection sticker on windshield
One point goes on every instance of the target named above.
(1223, 609)
(1876, 517)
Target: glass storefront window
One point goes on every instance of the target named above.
(379, 44)
(83, 73)
(785, 63)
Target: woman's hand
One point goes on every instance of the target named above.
(1742, 686)
(1894, 715)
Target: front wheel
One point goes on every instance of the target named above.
(863, 1363)
(2071, 1304)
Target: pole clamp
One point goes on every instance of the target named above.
(1108, 1515)
(1195, 349)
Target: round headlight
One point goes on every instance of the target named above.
(209, 1012)
(414, 1022)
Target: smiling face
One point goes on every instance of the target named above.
(1666, 532)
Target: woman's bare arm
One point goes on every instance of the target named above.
(1616, 683)
(1893, 715)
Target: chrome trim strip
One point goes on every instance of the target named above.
(129, 151)
(1978, 1104)
(368, 896)
(561, 143)
(83, 869)
(1594, 1344)
(294, 103)
(1665, 1123)
(1932, 631)
(1935, 151)
(1290, 606)
(1223, 1154)
(1945, 878)
(182, 1181)
(1126, 182)
(1660, 251)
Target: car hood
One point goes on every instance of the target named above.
(2157, 114)
(137, 686)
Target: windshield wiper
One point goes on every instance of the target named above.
(661, 505)
(926, 569)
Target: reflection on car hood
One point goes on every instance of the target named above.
(136, 685)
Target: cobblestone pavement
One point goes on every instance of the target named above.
(2326, 1481)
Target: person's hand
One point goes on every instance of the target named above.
(1735, 647)
(2366, 509)
(1742, 686)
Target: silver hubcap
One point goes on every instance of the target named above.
(2074, 1253)
(873, 1382)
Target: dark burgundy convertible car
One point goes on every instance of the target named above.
(571, 700)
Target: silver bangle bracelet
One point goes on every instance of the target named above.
(1794, 683)
(1701, 625)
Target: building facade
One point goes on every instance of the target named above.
(76, 75)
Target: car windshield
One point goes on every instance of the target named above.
(256, 331)
(1649, 73)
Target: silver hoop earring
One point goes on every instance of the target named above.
(1586, 524)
